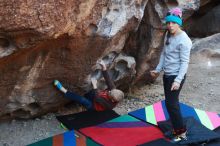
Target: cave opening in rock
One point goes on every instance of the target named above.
(4, 43)
(6, 46)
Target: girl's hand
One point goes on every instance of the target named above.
(154, 73)
(175, 86)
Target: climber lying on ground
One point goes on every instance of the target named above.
(96, 99)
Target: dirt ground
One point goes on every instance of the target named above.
(201, 90)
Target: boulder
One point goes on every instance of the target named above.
(45, 40)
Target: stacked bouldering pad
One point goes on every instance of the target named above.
(148, 126)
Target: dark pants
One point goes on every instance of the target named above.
(87, 103)
(172, 103)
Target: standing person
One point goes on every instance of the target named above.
(174, 62)
(95, 99)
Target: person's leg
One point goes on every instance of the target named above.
(82, 100)
(72, 96)
(172, 104)
(91, 94)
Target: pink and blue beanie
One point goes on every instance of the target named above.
(174, 15)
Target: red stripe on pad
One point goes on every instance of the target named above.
(122, 136)
(58, 140)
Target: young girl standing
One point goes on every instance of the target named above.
(174, 62)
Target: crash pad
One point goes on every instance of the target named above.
(159, 142)
(86, 118)
(70, 138)
(196, 132)
(157, 112)
(123, 131)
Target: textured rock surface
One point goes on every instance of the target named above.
(206, 21)
(209, 46)
(146, 44)
(45, 40)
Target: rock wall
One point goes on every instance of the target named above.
(205, 21)
(45, 40)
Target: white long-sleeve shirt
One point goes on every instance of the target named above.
(175, 57)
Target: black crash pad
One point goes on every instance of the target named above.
(86, 118)
(196, 132)
(159, 142)
(215, 142)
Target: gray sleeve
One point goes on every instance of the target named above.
(184, 60)
(161, 62)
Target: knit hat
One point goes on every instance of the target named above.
(174, 15)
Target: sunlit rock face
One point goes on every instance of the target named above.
(45, 40)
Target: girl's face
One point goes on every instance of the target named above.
(173, 27)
